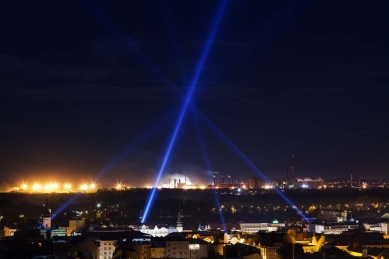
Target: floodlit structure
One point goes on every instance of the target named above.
(157, 231)
(46, 217)
(309, 183)
(251, 228)
(75, 224)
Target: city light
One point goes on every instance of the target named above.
(36, 187)
(51, 187)
(242, 187)
(84, 187)
(268, 186)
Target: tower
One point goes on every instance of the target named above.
(216, 178)
(254, 183)
(179, 224)
(293, 180)
(46, 216)
(287, 176)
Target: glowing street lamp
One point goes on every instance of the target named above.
(84, 187)
(36, 187)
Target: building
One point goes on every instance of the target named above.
(9, 231)
(75, 224)
(107, 247)
(157, 231)
(310, 243)
(177, 248)
(142, 250)
(158, 250)
(254, 183)
(251, 228)
(379, 227)
(198, 249)
(90, 248)
(332, 216)
(67, 245)
(331, 229)
(46, 217)
(48, 233)
(179, 226)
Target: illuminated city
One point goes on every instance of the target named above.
(250, 184)
(194, 130)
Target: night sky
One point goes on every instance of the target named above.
(82, 81)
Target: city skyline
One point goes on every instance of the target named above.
(92, 89)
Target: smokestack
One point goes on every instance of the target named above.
(293, 169)
(287, 175)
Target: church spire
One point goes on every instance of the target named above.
(47, 215)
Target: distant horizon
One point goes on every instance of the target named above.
(107, 184)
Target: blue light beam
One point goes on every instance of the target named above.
(138, 141)
(208, 165)
(187, 99)
(248, 161)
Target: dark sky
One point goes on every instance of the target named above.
(82, 81)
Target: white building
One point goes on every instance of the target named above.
(156, 231)
(379, 227)
(251, 228)
(107, 247)
(333, 229)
